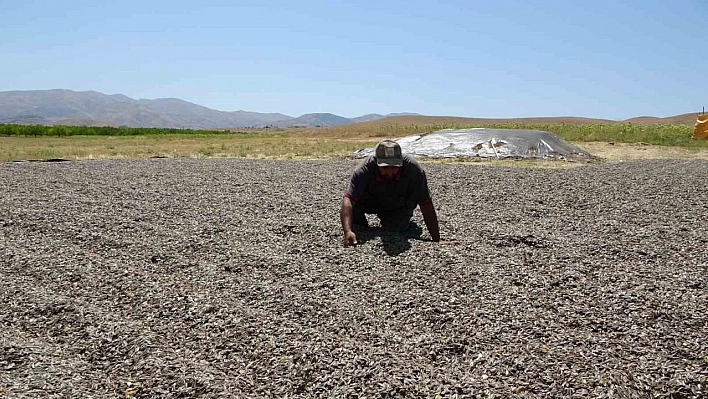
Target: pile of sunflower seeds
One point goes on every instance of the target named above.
(218, 278)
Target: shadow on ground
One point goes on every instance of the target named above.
(394, 243)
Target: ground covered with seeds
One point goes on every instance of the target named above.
(220, 278)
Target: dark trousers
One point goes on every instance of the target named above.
(395, 220)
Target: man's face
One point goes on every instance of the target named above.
(388, 172)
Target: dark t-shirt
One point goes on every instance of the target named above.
(406, 191)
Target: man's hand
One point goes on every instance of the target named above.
(349, 239)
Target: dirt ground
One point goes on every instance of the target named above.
(637, 151)
(212, 278)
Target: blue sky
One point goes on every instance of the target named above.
(495, 59)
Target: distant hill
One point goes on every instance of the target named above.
(432, 120)
(91, 108)
(201, 116)
(94, 108)
(369, 117)
(684, 119)
(316, 120)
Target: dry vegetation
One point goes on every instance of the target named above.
(304, 147)
(633, 151)
(605, 139)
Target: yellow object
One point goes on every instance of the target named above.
(701, 130)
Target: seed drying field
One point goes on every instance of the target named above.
(215, 278)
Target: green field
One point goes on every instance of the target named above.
(38, 142)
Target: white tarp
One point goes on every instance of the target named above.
(486, 143)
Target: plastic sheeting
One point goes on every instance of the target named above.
(487, 143)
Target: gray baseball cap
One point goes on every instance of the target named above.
(388, 153)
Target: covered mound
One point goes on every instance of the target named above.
(487, 143)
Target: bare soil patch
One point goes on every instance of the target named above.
(638, 151)
(221, 278)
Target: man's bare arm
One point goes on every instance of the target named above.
(431, 220)
(345, 215)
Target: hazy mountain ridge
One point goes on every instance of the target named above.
(316, 119)
(91, 108)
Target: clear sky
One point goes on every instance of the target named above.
(496, 59)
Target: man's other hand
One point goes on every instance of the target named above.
(349, 239)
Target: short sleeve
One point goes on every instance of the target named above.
(357, 184)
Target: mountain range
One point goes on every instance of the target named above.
(91, 108)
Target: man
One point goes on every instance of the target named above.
(390, 185)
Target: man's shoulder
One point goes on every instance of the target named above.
(365, 167)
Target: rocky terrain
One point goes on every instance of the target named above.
(212, 278)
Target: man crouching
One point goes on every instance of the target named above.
(390, 185)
